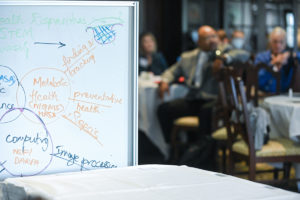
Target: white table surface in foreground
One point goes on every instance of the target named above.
(285, 116)
(148, 182)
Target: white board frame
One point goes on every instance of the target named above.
(133, 72)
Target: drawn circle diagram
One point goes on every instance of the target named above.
(10, 88)
(28, 147)
(47, 93)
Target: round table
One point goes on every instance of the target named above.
(285, 116)
(285, 120)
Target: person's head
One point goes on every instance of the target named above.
(222, 36)
(277, 40)
(237, 40)
(208, 39)
(147, 43)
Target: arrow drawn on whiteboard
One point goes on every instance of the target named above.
(2, 165)
(49, 43)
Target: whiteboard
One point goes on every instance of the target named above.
(68, 86)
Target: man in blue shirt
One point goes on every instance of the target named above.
(277, 58)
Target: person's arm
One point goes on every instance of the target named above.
(163, 87)
(280, 60)
(172, 73)
(236, 55)
(218, 64)
(168, 77)
(263, 75)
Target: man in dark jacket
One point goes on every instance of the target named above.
(197, 67)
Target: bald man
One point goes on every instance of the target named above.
(196, 67)
(279, 59)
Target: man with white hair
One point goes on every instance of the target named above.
(279, 59)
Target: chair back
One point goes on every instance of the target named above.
(228, 101)
(296, 77)
(246, 114)
(240, 113)
(252, 84)
(226, 109)
(251, 81)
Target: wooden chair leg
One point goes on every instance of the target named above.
(286, 170)
(224, 159)
(231, 164)
(252, 169)
(276, 172)
(174, 149)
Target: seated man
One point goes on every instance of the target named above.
(279, 59)
(197, 67)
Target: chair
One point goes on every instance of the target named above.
(221, 134)
(227, 102)
(188, 124)
(250, 74)
(295, 85)
(252, 91)
(225, 136)
(279, 150)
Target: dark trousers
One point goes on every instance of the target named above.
(168, 112)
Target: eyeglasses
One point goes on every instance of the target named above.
(274, 41)
(209, 37)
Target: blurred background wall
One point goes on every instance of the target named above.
(175, 22)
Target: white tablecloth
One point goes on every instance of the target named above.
(285, 120)
(285, 116)
(148, 103)
(148, 182)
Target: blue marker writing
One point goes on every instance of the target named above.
(70, 157)
(25, 139)
(6, 106)
(96, 164)
(2, 91)
(104, 34)
(2, 165)
(6, 79)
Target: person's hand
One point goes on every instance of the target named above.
(163, 87)
(279, 60)
(217, 65)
